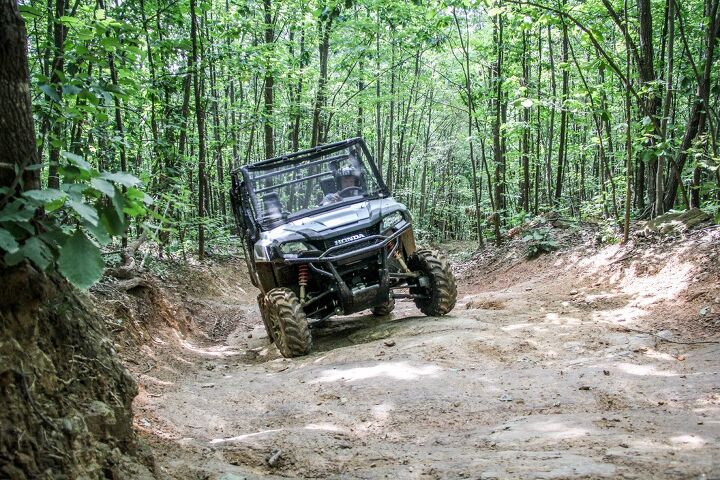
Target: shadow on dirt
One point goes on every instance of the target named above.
(347, 331)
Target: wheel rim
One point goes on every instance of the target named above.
(427, 291)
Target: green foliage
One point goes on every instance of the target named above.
(80, 261)
(608, 233)
(386, 60)
(539, 241)
(713, 208)
(62, 230)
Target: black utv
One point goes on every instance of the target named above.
(323, 237)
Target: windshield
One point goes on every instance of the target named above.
(286, 189)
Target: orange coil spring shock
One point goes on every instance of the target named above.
(303, 275)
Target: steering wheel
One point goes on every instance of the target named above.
(340, 192)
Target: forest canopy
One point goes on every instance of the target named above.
(479, 114)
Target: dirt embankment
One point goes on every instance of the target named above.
(671, 283)
(584, 363)
(65, 399)
(164, 320)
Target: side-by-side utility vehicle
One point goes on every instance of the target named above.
(323, 237)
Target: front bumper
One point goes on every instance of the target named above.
(378, 247)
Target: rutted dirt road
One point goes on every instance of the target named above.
(535, 374)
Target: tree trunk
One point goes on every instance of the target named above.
(200, 117)
(184, 112)
(119, 129)
(525, 182)
(153, 92)
(563, 118)
(465, 45)
(649, 100)
(297, 96)
(219, 168)
(628, 139)
(17, 130)
(551, 134)
(324, 29)
(659, 180)
(58, 68)
(538, 139)
(497, 125)
(426, 148)
(696, 118)
(378, 108)
(269, 84)
(391, 128)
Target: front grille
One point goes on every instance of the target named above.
(367, 232)
(354, 247)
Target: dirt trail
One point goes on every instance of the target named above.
(534, 375)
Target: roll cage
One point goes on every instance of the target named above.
(251, 180)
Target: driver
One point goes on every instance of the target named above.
(347, 181)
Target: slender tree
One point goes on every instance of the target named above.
(195, 68)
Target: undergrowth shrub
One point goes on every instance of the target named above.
(539, 242)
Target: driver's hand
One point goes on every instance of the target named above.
(330, 198)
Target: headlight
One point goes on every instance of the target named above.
(293, 248)
(390, 221)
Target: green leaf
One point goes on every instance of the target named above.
(71, 90)
(110, 43)
(103, 186)
(99, 232)
(30, 11)
(12, 259)
(38, 253)
(134, 209)
(54, 205)
(7, 241)
(53, 234)
(74, 190)
(50, 92)
(137, 196)
(119, 203)
(123, 178)
(86, 211)
(80, 261)
(17, 211)
(76, 160)
(70, 21)
(112, 221)
(44, 196)
(20, 229)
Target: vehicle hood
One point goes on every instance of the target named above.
(345, 216)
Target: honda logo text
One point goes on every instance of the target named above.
(345, 240)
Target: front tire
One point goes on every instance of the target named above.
(384, 309)
(289, 324)
(442, 291)
(262, 305)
